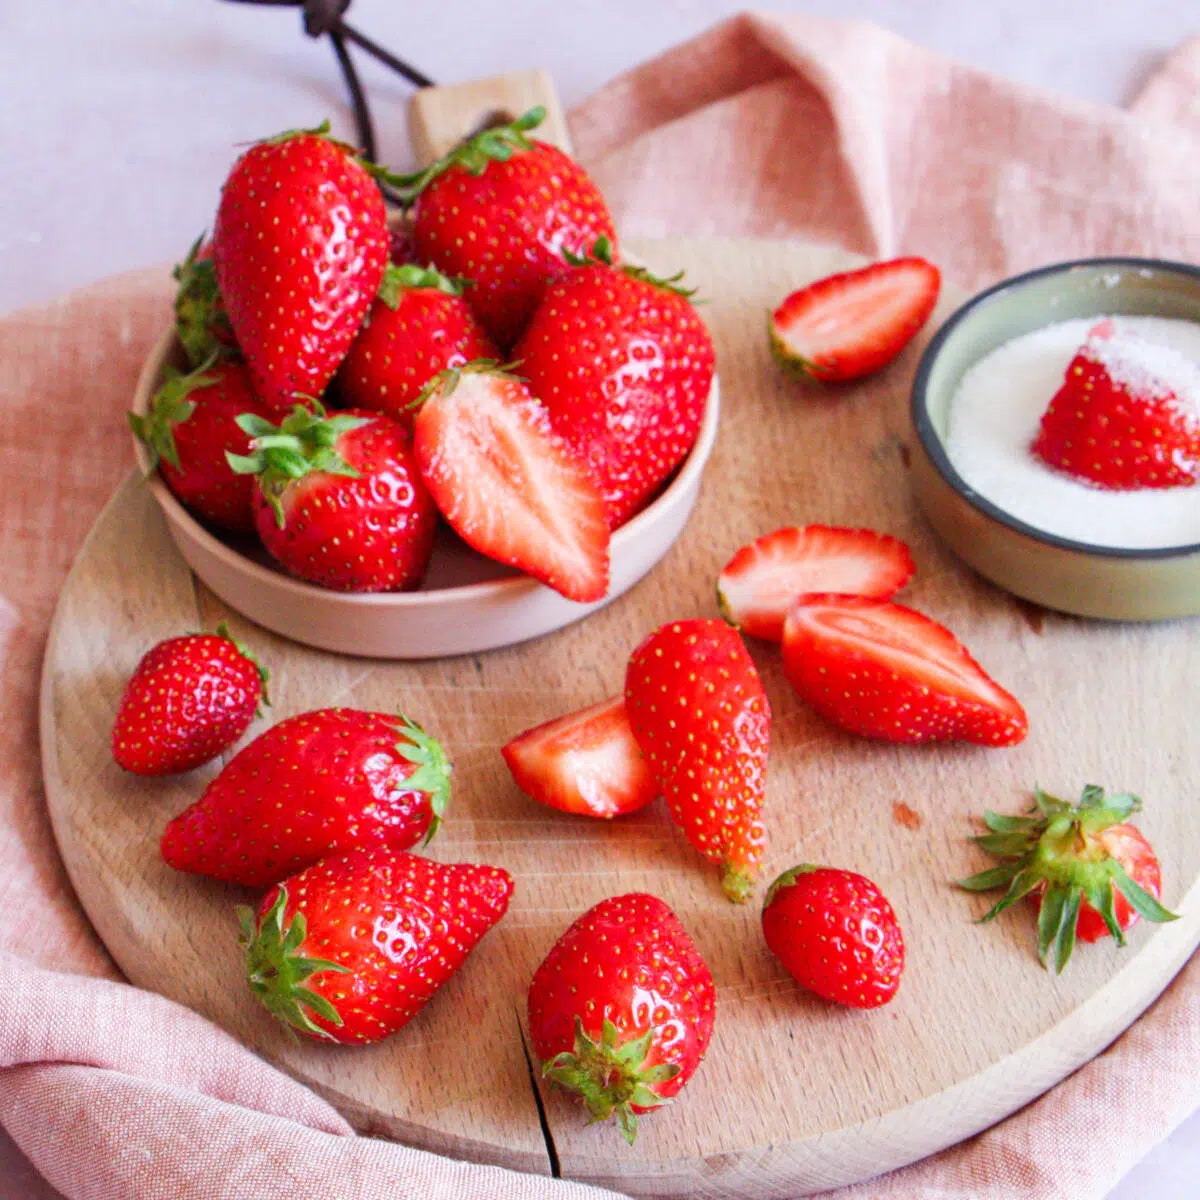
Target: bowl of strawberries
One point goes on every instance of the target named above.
(430, 431)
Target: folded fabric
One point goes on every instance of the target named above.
(829, 131)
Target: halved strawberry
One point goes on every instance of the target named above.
(882, 670)
(507, 483)
(854, 323)
(584, 762)
(762, 580)
(1127, 414)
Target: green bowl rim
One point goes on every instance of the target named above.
(932, 443)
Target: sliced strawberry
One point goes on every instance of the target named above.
(763, 579)
(852, 324)
(882, 670)
(584, 762)
(508, 484)
(1127, 414)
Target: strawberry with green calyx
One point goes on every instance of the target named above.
(190, 427)
(621, 1009)
(317, 783)
(700, 714)
(201, 322)
(353, 947)
(340, 500)
(1091, 873)
(418, 325)
(624, 365)
(500, 209)
(300, 244)
(189, 698)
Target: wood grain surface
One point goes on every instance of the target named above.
(795, 1094)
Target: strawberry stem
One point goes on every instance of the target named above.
(199, 313)
(263, 674)
(601, 254)
(398, 279)
(432, 773)
(170, 406)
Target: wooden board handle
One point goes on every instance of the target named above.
(440, 117)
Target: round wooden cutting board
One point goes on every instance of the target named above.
(795, 1095)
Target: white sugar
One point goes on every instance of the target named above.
(995, 413)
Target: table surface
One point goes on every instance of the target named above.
(123, 116)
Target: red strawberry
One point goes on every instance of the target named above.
(1091, 873)
(882, 670)
(500, 210)
(189, 698)
(201, 322)
(584, 762)
(698, 710)
(761, 581)
(1126, 416)
(300, 245)
(508, 484)
(419, 325)
(621, 1009)
(624, 365)
(190, 426)
(352, 948)
(340, 501)
(854, 323)
(836, 934)
(318, 783)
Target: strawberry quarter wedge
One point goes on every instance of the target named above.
(882, 670)
(764, 578)
(853, 324)
(585, 762)
(507, 484)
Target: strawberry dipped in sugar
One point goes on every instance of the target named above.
(702, 719)
(624, 364)
(621, 1009)
(339, 500)
(500, 210)
(299, 246)
(352, 948)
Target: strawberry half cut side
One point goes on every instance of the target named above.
(1089, 870)
(764, 578)
(854, 323)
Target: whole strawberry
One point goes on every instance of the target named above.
(318, 783)
(299, 245)
(500, 210)
(836, 934)
(621, 1009)
(699, 712)
(190, 427)
(623, 364)
(352, 948)
(189, 698)
(340, 501)
(419, 325)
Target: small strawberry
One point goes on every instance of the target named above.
(339, 500)
(698, 710)
(419, 325)
(318, 783)
(189, 698)
(584, 762)
(201, 322)
(1127, 415)
(352, 948)
(623, 364)
(621, 1009)
(190, 427)
(300, 244)
(882, 670)
(1090, 872)
(500, 209)
(507, 483)
(854, 323)
(836, 934)
(761, 581)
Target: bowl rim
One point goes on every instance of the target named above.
(932, 442)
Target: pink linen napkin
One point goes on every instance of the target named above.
(824, 130)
